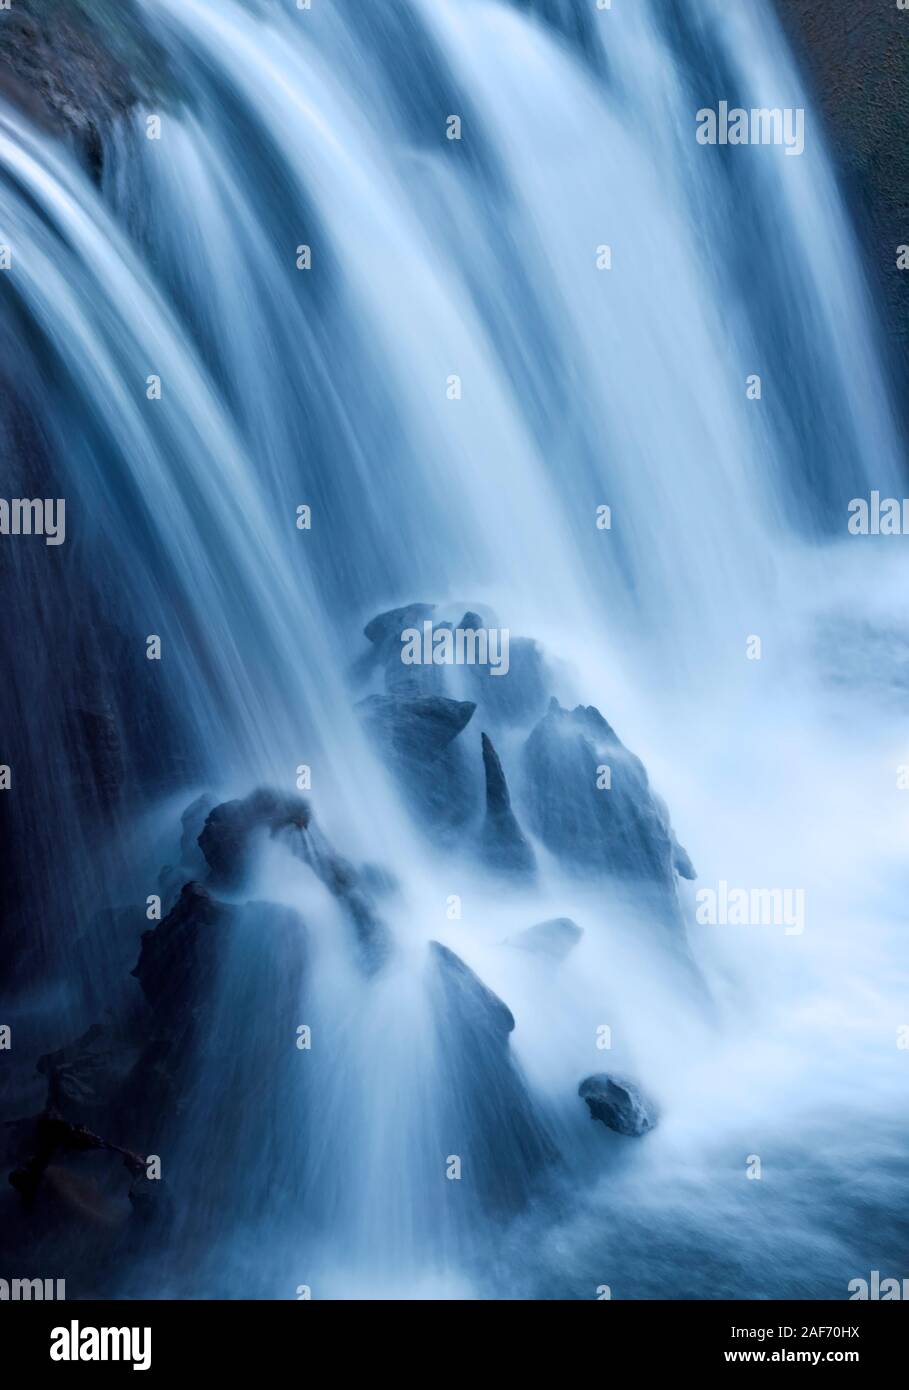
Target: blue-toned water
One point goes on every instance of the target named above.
(330, 387)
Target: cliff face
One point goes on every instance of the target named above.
(856, 60)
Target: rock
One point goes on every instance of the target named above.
(51, 1135)
(412, 680)
(624, 830)
(681, 860)
(417, 738)
(474, 1004)
(193, 823)
(84, 1075)
(618, 1104)
(179, 957)
(387, 627)
(556, 938)
(228, 838)
(354, 889)
(487, 1115)
(75, 68)
(503, 845)
(208, 965)
(96, 753)
(517, 698)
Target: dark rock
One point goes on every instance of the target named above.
(503, 845)
(96, 753)
(618, 1104)
(417, 738)
(517, 698)
(193, 823)
(75, 67)
(623, 830)
(857, 61)
(414, 681)
(206, 964)
(229, 837)
(181, 959)
(50, 1135)
(488, 1117)
(180, 956)
(555, 938)
(352, 887)
(387, 627)
(83, 1076)
(474, 1004)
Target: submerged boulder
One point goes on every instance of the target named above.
(618, 1104)
(503, 845)
(555, 938)
(590, 801)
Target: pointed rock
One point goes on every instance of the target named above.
(503, 844)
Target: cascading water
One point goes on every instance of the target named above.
(329, 387)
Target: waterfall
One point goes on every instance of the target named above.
(323, 380)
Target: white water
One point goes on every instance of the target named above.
(580, 388)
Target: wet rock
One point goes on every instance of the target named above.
(49, 1136)
(77, 67)
(231, 832)
(473, 1003)
(503, 845)
(84, 1075)
(681, 860)
(520, 696)
(354, 888)
(96, 753)
(206, 967)
(488, 1117)
(623, 830)
(410, 679)
(179, 957)
(555, 938)
(191, 863)
(387, 627)
(418, 740)
(618, 1104)
(192, 824)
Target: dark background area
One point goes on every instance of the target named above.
(855, 57)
